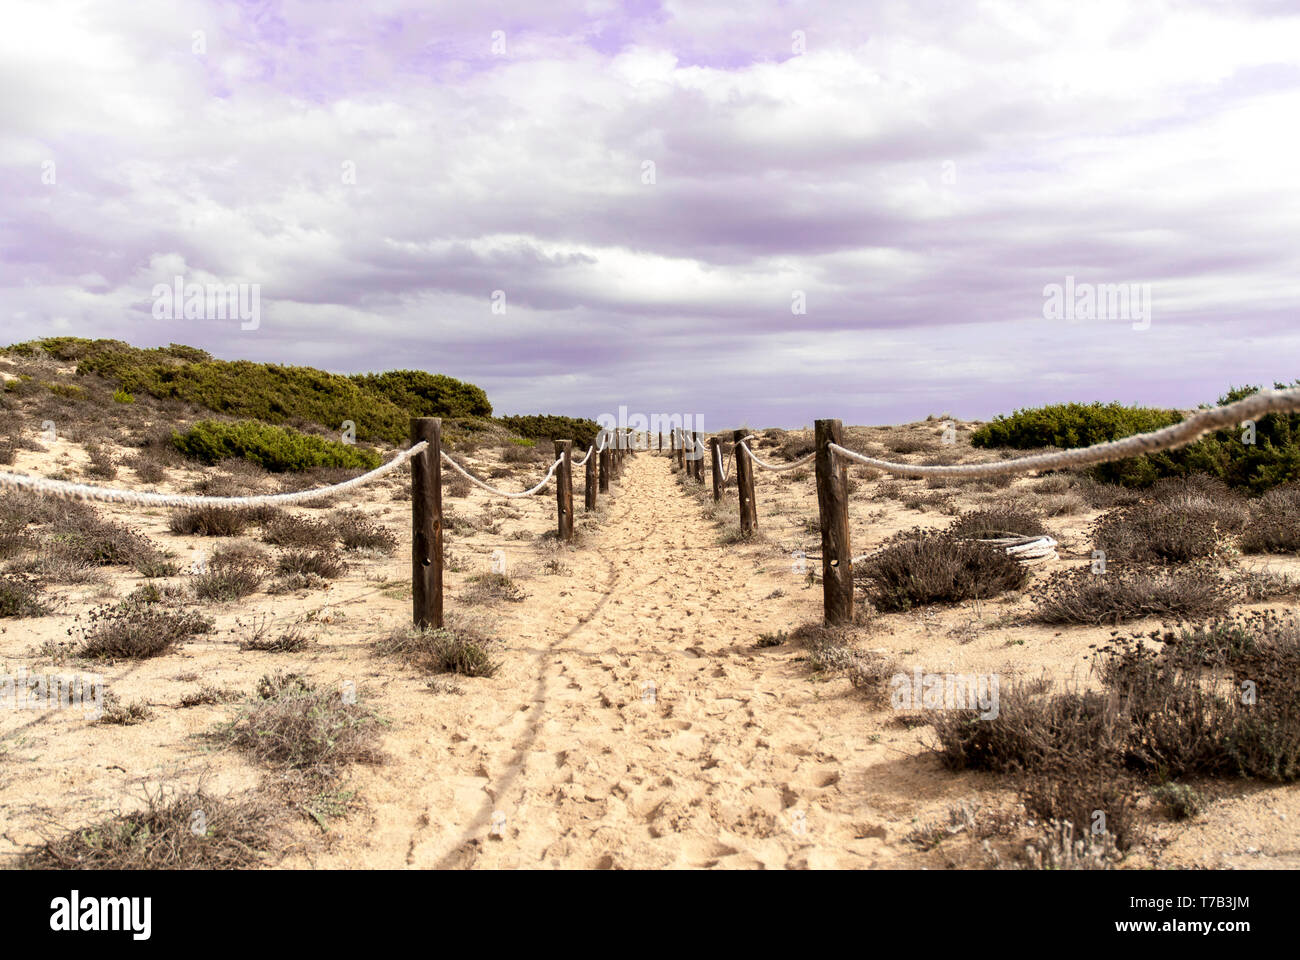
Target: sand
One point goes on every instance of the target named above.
(633, 723)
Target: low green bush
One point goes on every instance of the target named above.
(551, 427)
(427, 394)
(1267, 459)
(1068, 425)
(278, 449)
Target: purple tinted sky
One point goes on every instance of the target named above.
(921, 171)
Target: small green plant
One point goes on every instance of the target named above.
(121, 396)
(1181, 802)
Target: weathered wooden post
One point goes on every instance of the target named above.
(833, 510)
(715, 460)
(605, 465)
(426, 524)
(745, 487)
(589, 483)
(681, 448)
(564, 490)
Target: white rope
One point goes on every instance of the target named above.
(85, 491)
(727, 467)
(1026, 549)
(773, 467)
(590, 450)
(501, 493)
(1167, 438)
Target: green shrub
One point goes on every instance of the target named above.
(278, 449)
(121, 396)
(1273, 459)
(259, 391)
(1068, 425)
(427, 394)
(550, 427)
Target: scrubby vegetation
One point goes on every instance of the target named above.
(427, 394)
(995, 522)
(188, 831)
(1130, 593)
(1274, 526)
(1068, 425)
(20, 598)
(1253, 460)
(355, 532)
(209, 522)
(1159, 716)
(132, 632)
(923, 567)
(230, 574)
(551, 427)
(277, 449)
(270, 393)
(1159, 532)
(292, 724)
(458, 647)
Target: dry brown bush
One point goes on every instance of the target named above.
(1130, 593)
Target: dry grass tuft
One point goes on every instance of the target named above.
(189, 831)
(293, 725)
(459, 647)
(209, 522)
(131, 632)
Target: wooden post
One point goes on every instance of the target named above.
(589, 484)
(745, 486)
(681, 448)
(564, 490)
(661, 443)
(833, 510)
(605, 466)
(715, 461)
(426, 524)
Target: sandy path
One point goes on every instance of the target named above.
(644, 729)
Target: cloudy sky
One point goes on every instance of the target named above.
(761, 213)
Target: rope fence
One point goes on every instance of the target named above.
(831, 458)
(63, 490)
(426, 456)
(605, 459)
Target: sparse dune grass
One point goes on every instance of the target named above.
(461, 646)
(182, 831)
(293, 724)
